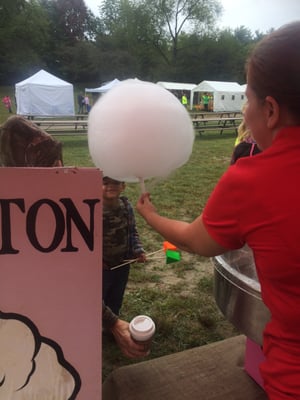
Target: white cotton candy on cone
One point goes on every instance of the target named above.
(139, 130)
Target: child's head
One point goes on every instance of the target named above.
(24, 144)
(244, 133)
(112, 188)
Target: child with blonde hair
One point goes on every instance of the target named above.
(244, 144)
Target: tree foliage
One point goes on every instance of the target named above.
(152, 40)
(24, 35)
(175, 16)
(69, 20)
(143, 25)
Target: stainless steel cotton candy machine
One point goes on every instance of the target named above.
(237, 292)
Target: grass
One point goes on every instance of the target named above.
(185, 315)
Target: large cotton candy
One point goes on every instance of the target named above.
(139, 130)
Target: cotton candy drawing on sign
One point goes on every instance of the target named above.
(32, 366)
(139, 130)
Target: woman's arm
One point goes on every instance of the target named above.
(192, 237)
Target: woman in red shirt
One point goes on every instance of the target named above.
(256, 202)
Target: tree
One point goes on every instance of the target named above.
(71, 49)
(171, 18)
(127, 35)
(21, 48)
(151, 40)
(69, 19)
(243, 35)
(8, 8)
(157, 24)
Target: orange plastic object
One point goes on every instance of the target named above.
(169, 246)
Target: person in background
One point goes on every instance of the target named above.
(256, 202)
(87, 103)
(205, 101)
(121, 243)
(80, 102)
(184, 100)
(245, 145)
(7, 103)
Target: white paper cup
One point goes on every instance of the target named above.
(142, 329)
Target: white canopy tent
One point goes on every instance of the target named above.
(43, 94)
(179, 87)
(104, 88)
(227, 96)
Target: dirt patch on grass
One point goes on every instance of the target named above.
(184, 274)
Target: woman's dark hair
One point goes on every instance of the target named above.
(24, 144)
(273, 68)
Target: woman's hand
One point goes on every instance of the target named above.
(144, 206)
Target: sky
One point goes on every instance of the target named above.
(260, 15)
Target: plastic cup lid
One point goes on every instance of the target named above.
(142, 327)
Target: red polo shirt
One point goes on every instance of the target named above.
(257, 201)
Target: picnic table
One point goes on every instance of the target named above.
(38, 117)
(54, 125)
(221, 114)
(220, 124)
